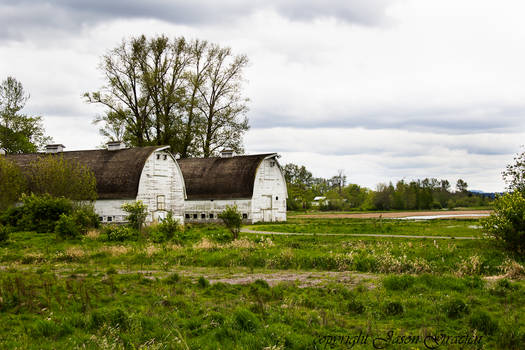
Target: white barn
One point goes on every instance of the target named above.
(255, 183)
(150, 174)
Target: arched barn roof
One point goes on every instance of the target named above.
(221, 178)
(117, 172)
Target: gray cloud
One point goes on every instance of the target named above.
(19, 17)
(451, 120)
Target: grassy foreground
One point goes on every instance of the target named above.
(277, 292)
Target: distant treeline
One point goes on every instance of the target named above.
(431, 193)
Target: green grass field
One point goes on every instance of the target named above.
(442, 227)
(201, 291)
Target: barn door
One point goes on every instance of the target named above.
(267, 208)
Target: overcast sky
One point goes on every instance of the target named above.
(384, 89)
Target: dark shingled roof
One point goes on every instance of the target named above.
(220, 178)
(117, 172)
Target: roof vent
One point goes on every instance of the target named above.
(115, 145)
(56, 148)
(227, 153)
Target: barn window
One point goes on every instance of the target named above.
(100, 218)
(276, 198)
(110, 218)
(194, 216)
(187, 216)
(245, 216)
(158, 156)
(165, 157)
(211, 216)
(161, 202)
(272, 163)
(203, 216)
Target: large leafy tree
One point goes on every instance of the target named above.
(173, 92)
(59, 177)
(19, 133)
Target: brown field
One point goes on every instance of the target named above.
(393, 214)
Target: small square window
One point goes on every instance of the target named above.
(245, 216)
(203, 216)
(211, 216)
(110, 218)
(276, 198)
(165, 157)
(100, 218)
(158, 156)
(272, 163)
(194, 216)
(187, 216)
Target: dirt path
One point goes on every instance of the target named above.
(245, 230)
(392, 215)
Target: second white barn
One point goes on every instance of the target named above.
(255, 183)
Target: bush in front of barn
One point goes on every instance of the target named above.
(166, 230)
(42, 213)
(37, 213)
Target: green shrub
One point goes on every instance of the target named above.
(507, 222)
(398, 282)
(165, 230)
(116, 233)
(356, 306)
(232, 218)
(245, 320)
(203, 282)
(41, 213)
(66, 227)
(137, 214)
(393, 308)
(482, 321)
(12, 216)
(173, 278)
(455, 308)
(86, 217)
(4, 233)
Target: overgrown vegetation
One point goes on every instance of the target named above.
(232, 218)
(137, 214)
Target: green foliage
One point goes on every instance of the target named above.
(19, 133)
(118, 233)
(203, 282)
(398, 282)
(137, 214)
(12, 183)
(393, 308)
(482, 321)
(4, 233)
(245, 320)
(58, 177)
(356, 306)
(67, 227)
(514, 174)
(507, 222)
(40, 213)
(232, 218)
(173, 278)
(166, 230)
(455, 308)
